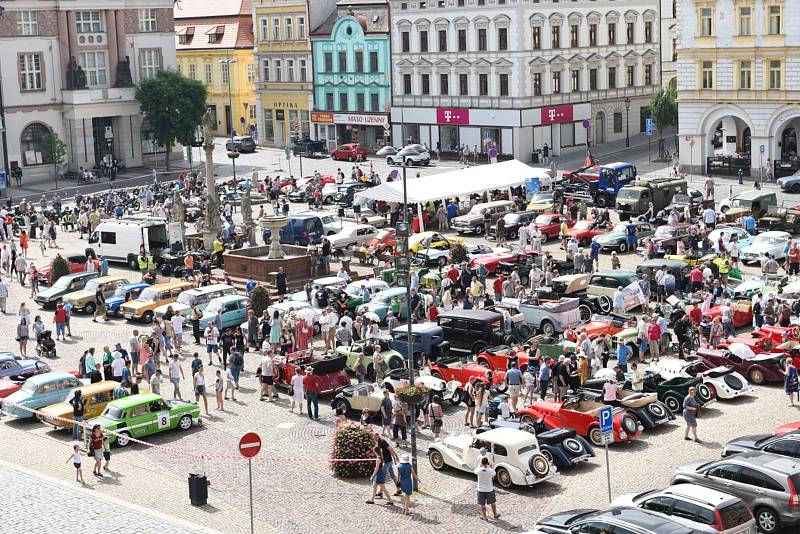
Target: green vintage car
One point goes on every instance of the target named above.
(617, 240)
(140, 415)
(391, 358)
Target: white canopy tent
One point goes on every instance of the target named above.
(459, 183)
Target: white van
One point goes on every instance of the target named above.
(119, 240)
(199, 296)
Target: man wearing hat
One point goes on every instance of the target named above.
(312, 387)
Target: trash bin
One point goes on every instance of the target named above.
(198, 489)
(535, 157)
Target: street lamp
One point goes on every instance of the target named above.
(232, 153)
(627, 122)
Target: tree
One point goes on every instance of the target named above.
(259, 300)
(54, 150)
(664, 112)
(58, 268)
(174, 106)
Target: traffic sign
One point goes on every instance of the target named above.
(762, 148)
(607, 439)
(250, 445)
(648, 127)
(586, 123)
(606, 420)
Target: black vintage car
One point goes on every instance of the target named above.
(645, 407)
(347, 192)
(472, 331)
(512, 223)
(524, 264)
(672, 391)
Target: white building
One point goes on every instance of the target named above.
(91, 106)
(669, 41)
(522, 73)
(738, 84)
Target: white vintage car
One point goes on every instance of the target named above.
(724, 381)
(514, 454)
(356, 397)
(354, 235)
(447, 391)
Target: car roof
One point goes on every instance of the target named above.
(135, 285)
(643, 519)
(511, 437)
(418, 328)
(700, 493)
(109, 278)
(775, 233)
(367, 283)
(98, 387)
(226, 298)
(135, 400)
(207, 289)
(779, 464)
(476, 315)
(658, 262)
(49, 376)
(617, 165)
(171, 285)
(75, 276)
(752, 194)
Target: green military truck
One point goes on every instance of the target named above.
(634, 200)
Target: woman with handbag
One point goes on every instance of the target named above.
(302, 333)
(790, 381)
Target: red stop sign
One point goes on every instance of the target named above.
(250, 445)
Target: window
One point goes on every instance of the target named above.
(482, 39)
(423, 41)
(212, 37)
(251, 72)
(193, 71)
(617, 122)
(180, 68)
(444, 84)
(462, 40)
(592, 34)
(463, 84)
(745, 17)
(329, 101)
(629, 78)
(288, 29)
(708, 75)
(406, 84)
(264, 29)
(502, 38)
(276, 29)
(360, 102)
(648, 32)
(648, 74)
(301, 27)
(27, 23)
(612, 77)
(30, 72)
(612, 33)
(147, 20)
(537, 38)
(573, 35)
(328, 61)
(593, 79)
(629, 32)
(342, 61)
(303, 70)
(94, 64)
(149, 62)
(343, 104)
(109, 238)
(745, 75)
(226, 71)
(537, 84)
(426, 84)
(359, 66)
(774, 20)
(278, 69)
(443, 41)
(405, 43)
(289, 70)
(556, 87)
(504, 85)
(775, 74)
(660, 504)
(88, 21)
(483, 84)
(576, 81)
(264, 71)
(556, 37)
(706, 19)
(373, 62)
(31, 142)
(784, 447)
(375, 102)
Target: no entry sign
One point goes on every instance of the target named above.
(250, 445)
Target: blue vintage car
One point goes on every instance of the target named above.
(381, 302)
(232, 308)
(122, 295)
(40, 391)
(12, 366)
(425, 338)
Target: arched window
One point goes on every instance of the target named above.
(31, 142)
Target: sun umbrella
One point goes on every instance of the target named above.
(742, 351)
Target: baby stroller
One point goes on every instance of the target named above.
(45, 346)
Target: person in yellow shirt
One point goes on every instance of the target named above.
(563, 232)
(218, 249)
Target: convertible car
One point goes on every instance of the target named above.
(758, 368)
(672, 391)
(610, 324)
(644, 407)
(356, 397)
(14, 367)
(328, 370)
(724, 382)
(447, 391)
(501, 357)
(449, 369)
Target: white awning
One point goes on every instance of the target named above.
(460, 183)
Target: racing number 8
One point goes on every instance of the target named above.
(163, 421)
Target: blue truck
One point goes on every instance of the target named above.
(598, 184)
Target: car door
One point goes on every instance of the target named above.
(140, 421)
(723, 477)
(160, 417)
(472, 455)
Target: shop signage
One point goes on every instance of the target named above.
(452, 116)
(326, 118)
(366, 120)
(556, 114)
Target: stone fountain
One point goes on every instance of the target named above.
(274, 223)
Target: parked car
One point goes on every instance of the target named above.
(75, 262)
(196, 297)
(790, 184)
(123, 294)
(231, 308)
(546, 317)
(429, 239)
(542, 202)
(766, 283)
(458, 370)
(383, 242)
(355, 235)
(758, 368)
(143, 307)
(349, 152)
(672, 391)
(11, 385)
(451, 392)
(471, 331)
(386, 151)
(787, 444)
(409, 156)
(644, 407)
(365, 349)
(603, 284)
(17, 368)
(501, 358)
(549, 225)
(426, 338)
(84, 300)
(755, 201)
(724, 382)
(701, 509)
(381, 303)
(50, 297)
(575, 286)
(346, 193)
(39, 391)
(328, 370)
(514, 454)
(474, 222)
(95, 398)
(617, 237)
(241, 143)
(356, 397)
(666, 237)
(766, 482)
(584, 231)
(442, 256)
(512, 223)
(771, 243)
(728, 233)
(599, 324)
(622, 520)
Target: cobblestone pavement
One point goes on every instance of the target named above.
(298, 493)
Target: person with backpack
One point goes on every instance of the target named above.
(78, 404)
(436, 415)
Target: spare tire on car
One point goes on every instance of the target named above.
(539, 465)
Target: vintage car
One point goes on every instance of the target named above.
(232, 310)
(48, 298)
(679, 269)
(456, 369)
(353, 290)
(728, 233)
(609, 325)
(95, 398)
(787, 444)
(354, 235)
(501, 357)
(471, 331)
(758, 368)
(383, 242)
(381, 303)
(493, 260)
(584, 231)
(391, 358)
(39, 391)
(197, 297)
(143, 307)
(644, 407)
(562, 447)
(512, 223)
(123, 294)
(723, 382)
(604, 284)
(426, 338)
(356, 397)
(451, 392)
(137, 416)
(742, 315)
(9, 386)
(545, 317)
(666, 237)
(75, 262)
(85, 299)
(549, 225)
(672, 391)
(575, 286)
(429, 239)
(767, 243)
(542, 202)
(442, 257)
(617, 237)
(766, 283)
(523, 263)
(581, 415)
(327, 370)
(17, 368)
(513, 453)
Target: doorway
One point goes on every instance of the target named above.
(228, 121)
(600, 128)
(103, 137)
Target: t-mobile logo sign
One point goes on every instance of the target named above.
(452, 116)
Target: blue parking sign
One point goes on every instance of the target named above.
(606, 420)
(648, 127)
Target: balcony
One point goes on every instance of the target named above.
(80, 97)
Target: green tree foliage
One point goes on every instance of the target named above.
(458, 253)
(58, 268)
(174, 106)
(259, 300)
(54, 150)
(664, 112)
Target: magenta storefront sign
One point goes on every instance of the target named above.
(452, 116)
(556, 114)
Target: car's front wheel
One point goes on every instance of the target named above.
(756, 376)
(342, 406)
(436, 459)
(123, 439)
(185, 422)
(623, 247)
(673, 403)
(596, 437)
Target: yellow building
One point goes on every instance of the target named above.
(214, 43)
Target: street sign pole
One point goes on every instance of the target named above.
(761, 150)
(249, 446)
(608, 481)
(250, 476)
(607, 431)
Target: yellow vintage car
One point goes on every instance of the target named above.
(425, 240)
(96, 396)
(542, 202)
(84, 300)
(143, 308)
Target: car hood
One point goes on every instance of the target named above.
(135, 305)
(748, 285)
(759, 247)
(75, 296)
(19, 397)
(467, 218)
(60, 409)
(113, 301)
(690, 468)
(788, 179)
(562, 519)
(745, 442)
(610, 237)
(104, 422)
(50, 293)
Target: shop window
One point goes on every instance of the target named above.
(267, 131)
(448, 138)
(31, 142)
(618, 122)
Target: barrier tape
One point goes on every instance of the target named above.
(180, 452)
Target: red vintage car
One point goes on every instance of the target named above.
(384, 242)
(779, 334)
(8, 386)
(329, 371)
(492, 261)
(758, 369)
(448, 369)
(301, 183)
(498, 358)
(780, 430)
(581, 415)
(76, 262)
(549, 225)
(601, 324)
(585, 230)
(584, 173)
(742, 316)
(756, 340)
(349, 152)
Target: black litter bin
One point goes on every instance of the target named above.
(198, 489)
(535, 157)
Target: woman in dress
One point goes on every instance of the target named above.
(238, 340)
(407, 475)
(298, 393)
(302, 333)
(469, 401)
(715, 335)
(23, 333)
(38, 327)
(790, 382)
(690, 408)
(275, 328)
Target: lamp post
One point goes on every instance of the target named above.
(627, 122)
(233, 153)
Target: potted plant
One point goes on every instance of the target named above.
(352, 442)
(412, 394)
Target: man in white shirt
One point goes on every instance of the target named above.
(333, 322)
(175, 376)
(267, 379)
(486, 494)
(212, 342)
(710, 217)
(177, 324)
(535, 276)
(117, 365)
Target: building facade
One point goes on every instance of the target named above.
(515, 75)
(738, 83)
(72, 70)
(214, 43)
(669, 41)
(352, 80)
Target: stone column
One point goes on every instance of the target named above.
(63, 46)
(122, 50)
(73, 37)
(113, 53)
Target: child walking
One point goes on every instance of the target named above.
(106, 453)
(76, 461)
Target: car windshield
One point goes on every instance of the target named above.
(187, 298)
(629, 193)
(742, 203)
(583, 225)
(620, 227)
(62, 283)
(681, 198)
(28, 387)
(543, 219)
(149, 295)
(665, 231)
(113, 412)
(770, 240)
(477, 209)
(353, 291)
(120, 292)
(542, 197)
(92, 285)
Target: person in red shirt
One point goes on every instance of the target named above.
(794, 259)
(696, 278)
(452, 274)
(60, 319)
(695, 314)
(312, 386)
(497, 286)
